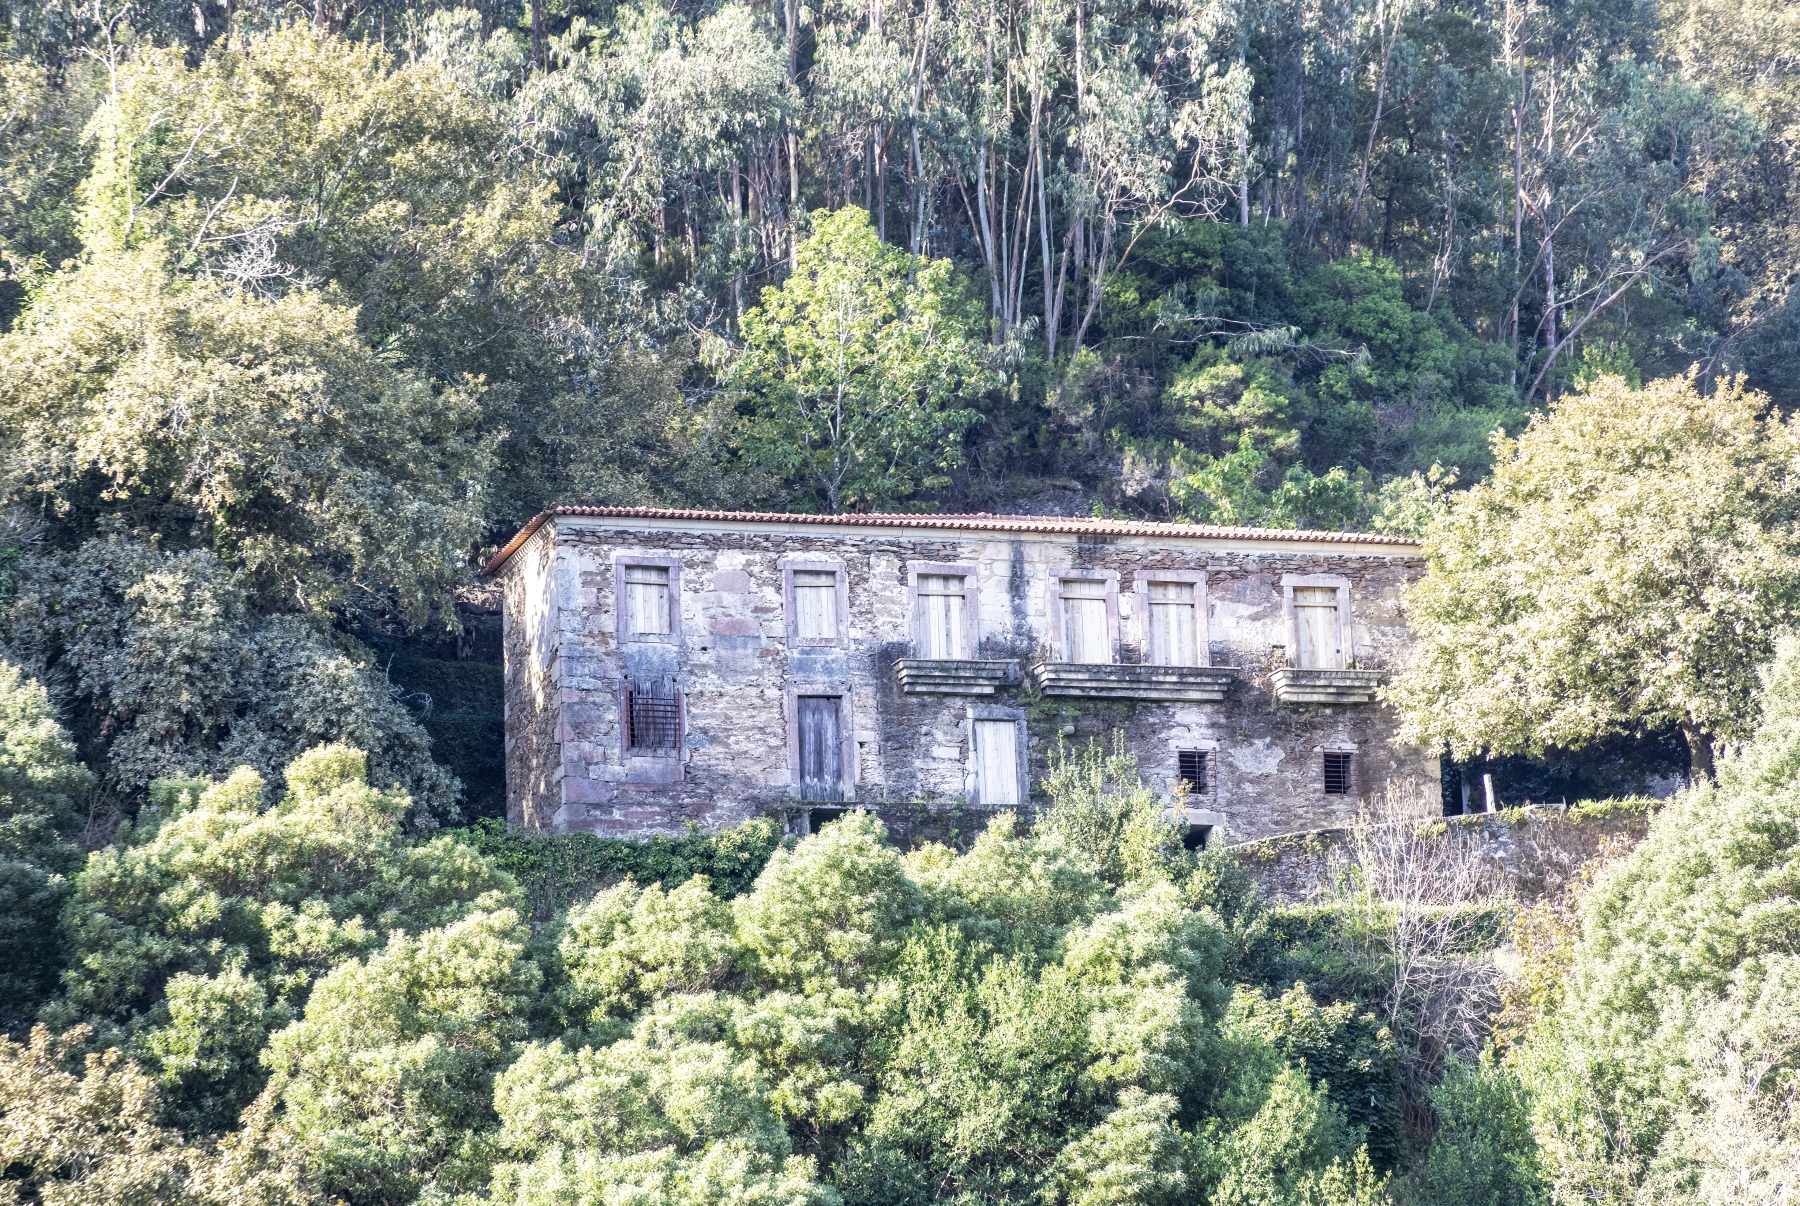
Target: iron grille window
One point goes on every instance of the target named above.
(1196, 770)
(1340, 773)
(652, 717)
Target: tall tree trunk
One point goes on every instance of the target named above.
(793, 139)
(1387, 54)
(1700, 751)
(537, 35)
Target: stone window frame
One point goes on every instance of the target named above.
(971, 596)
(791, 618)
(1202, 745)
(1346, 622)
(1111, 577)
(621, 619)
(1021, 750)
(1202, 610)
(1340, 746)
(629, 753)
(847, 760)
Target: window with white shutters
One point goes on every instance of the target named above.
(1085, 638)
(997, 763)
(1318, 628)
(647, 601)
(815, 605)
(1174, 624)
(943, 625)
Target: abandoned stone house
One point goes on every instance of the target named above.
(674, 667)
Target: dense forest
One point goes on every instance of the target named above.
(304, 310)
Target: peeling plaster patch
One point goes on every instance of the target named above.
(1257, 758)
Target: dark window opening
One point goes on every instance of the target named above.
(1195, 837)
(1195, 768)
(1340, 778)
(817, 818)
(653, 718)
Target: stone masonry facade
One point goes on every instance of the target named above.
(724, 708)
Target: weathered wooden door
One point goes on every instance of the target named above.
(942, 627)
(821, 767)
(997, 763)
(1317, 628)
(1085, 636)
(1173, 624)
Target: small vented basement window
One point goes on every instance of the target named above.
(1340, 773)
(1196, 770)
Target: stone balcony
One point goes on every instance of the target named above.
(1169, 684)
(1296, 686)
(935, 676)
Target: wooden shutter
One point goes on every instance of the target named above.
(647, 600)
(821, 775)
(1085, 638)
(1173, 625)
(997, 763)
(1317, 628)
(815, 604)
(942, 623)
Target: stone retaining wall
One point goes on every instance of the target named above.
(1535, 850)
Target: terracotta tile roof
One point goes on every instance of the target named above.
(967, 523)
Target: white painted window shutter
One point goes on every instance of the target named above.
(815, 604)
(1173, 624)
(942, 622)
(647, 600)
(1085, 638)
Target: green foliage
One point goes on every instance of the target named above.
(192, 411)
(205, 929)
(1483, 1153)
(555, 872)
(95, 1138)
(1668, 1066)
(1351, 1053)
(857, 371)
(42, 788)
(42, 160)
(1627, 566)
(1108, 819)
(172, 671)
(388, 1080)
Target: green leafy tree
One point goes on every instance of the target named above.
(170, 670)
(42, 788)
(1627, 566)
(1667, 1068)
(388, 1080)
(264, 429)
(204, 930)
(97, 1138)
(858, 370)
(1106, 816)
